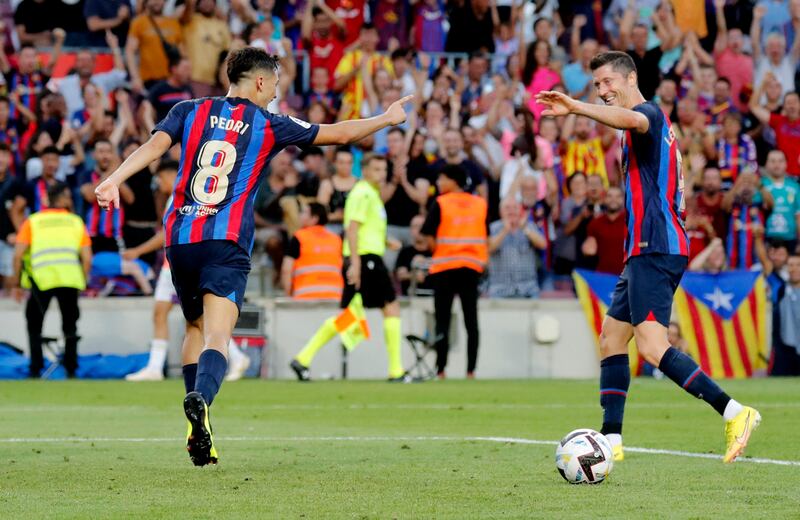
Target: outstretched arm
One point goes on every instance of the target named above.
(559, 104)
(346, 132)
(108, 191)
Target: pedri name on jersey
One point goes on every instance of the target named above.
(230, 125)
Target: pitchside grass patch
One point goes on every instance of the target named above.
(366, 450)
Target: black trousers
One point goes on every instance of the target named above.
(446, 284)
(34, 313)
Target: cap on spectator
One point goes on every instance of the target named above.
(455, 173)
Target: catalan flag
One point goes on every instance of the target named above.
(351, 323)
(594, 292)
(723, 319)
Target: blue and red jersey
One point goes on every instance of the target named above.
(741, 239)
(102, 223)
(227, 144)
(653, 188)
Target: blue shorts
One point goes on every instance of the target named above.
(219, 267)
(646, 288)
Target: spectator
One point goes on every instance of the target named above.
(73, 85)
(736, 151)
(705, 218)
(746, 205)
(207, 41)
(783, 222)
(105, 227)
(581, 151)
(574, 214)
(786, 127)
(36, 22)
(33, 195)
(8, 227)
(390, 19)
(333, 191)
(577, 75)
(471, 26)
(405, 191)
(413, 262)
(690, 128)
(325, 49)
(513, 245)
(506, 45)
(667, 95)
(711, 260)
(477, 80)
(247, 13)
(634, 39)
(26, 80)
(352, 13)
(785, 358)
(428, 32)
(605, 235)
(537, 74)
(164, 95)
(524, 163)
(721, 103)
(775, 59)
(775, 268)
(107, 15)
(156, 39)
(729, 59)
(66, 163)
(348, 78)
(11, 131)
(453, 148)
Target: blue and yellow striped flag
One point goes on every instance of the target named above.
(723, 319)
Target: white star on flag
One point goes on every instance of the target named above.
(719, 299)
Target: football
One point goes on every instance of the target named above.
(584, 457)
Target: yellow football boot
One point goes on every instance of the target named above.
(738, 431)
(199, 441)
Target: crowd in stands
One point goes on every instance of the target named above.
(723, 70)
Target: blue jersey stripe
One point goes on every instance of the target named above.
(664, 178)
(178, 228)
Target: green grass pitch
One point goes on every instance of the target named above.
(363, 450)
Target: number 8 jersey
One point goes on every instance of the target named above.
(226, 146)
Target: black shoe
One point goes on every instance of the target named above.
(405, 378)
(303, 374)
(199, 442)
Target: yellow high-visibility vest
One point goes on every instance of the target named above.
(54, 259)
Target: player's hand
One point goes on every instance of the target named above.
(354, 274)
(107, 194)
(396, 113)
(558, 104)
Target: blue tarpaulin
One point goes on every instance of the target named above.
(14, 365)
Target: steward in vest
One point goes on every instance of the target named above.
(312, 266)
(56, 251)
(456, 230)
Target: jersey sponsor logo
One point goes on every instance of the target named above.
(200, 211)
(301, 122)
(230, 125)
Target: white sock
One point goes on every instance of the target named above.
(732, 409)
(614, 438)
(234, 353)
(158, 354)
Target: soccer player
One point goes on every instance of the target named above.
(226, 145)
(656, 252)
(364, 270)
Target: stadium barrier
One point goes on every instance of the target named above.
(509, 344)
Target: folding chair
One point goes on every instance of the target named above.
(421, 370)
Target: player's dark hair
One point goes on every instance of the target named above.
(319, 211)
(778, 244)
(169, 164)
(5, 148)
(249, 59)
(619, 61)
(49, 150)
(456, 174)
(371, 157)
(57, 190)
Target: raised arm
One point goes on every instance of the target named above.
(722, 28)
(760, 112)
(346, 132)
(617, 117)
(755, 31)
(108, 191)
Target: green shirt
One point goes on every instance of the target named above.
(364, 205)
(781, 223)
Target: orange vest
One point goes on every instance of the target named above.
(461, 237)
(317, 273)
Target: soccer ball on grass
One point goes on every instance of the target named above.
(584, 457)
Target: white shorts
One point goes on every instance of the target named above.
(165, 291)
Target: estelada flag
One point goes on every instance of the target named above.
(351, 323)
(723, 320)
(594, 292)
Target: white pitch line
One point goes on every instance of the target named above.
(504, 440)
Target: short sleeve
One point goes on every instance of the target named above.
(652, 112)
(293, 248)
(24, 233)
(172, 125)
(432, 221)
(292, 131)
(357, 206)
(86, 240)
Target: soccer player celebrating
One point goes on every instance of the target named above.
(226, 145)
(656, 252)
